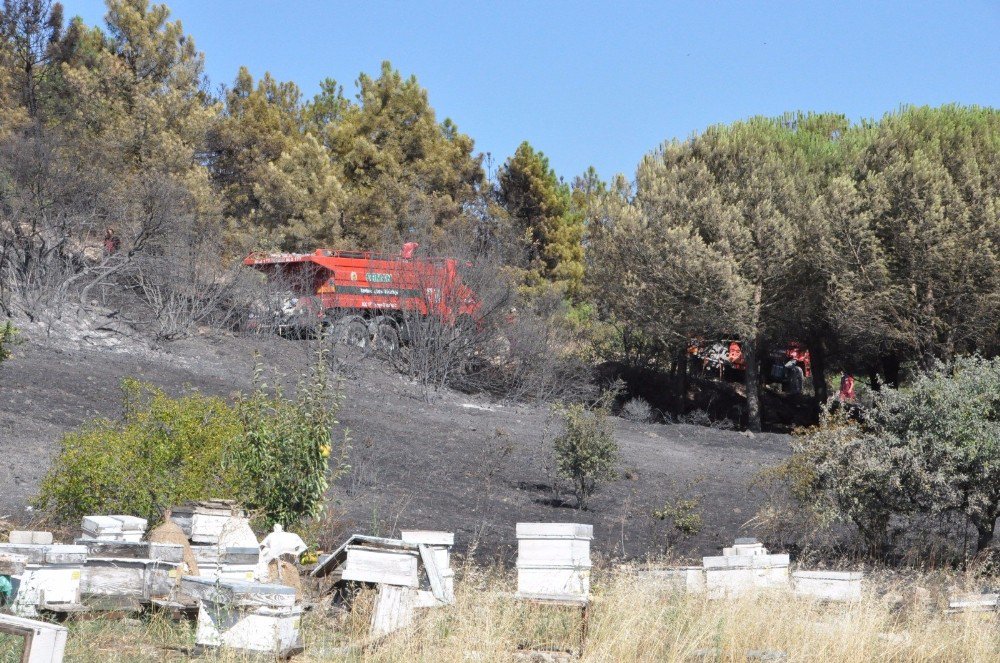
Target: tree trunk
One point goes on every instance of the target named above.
(890, 369)
(985, 531)
(817, 355)
(682, 383)
(752, 385)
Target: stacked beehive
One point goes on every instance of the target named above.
(553, 560)
(745, 565)
(223, 544)
(120, 573)
(113, 528)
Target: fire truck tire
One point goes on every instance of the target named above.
(387, 337)
(353, 332)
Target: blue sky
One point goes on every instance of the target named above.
(601, 84)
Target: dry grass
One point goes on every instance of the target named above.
(630, 621)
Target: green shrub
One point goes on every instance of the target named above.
(9, 337)
(163, 451)
(268, 452)
(586, 451)
(286, 446)
(931, 448)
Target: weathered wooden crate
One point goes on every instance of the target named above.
(244, 615)
(51, 577)
(44, 642)
(205, 522)
(227, 563)
(840, 586)
(11, 564)
(386, 566)
(136, 571)
(732, 575)
(553, 559)
(973, 603)
(271, 630)
(114, 528)
(139, 579)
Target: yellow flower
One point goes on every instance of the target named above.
(325, 450)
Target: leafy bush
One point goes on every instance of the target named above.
(266, 451)
(684, 514)
(930, 449)
(637, 410)
(586, 451)
(285, 448)
(9, 337)
(163, 451)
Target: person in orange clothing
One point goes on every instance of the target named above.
(846, 394)
(736, 355)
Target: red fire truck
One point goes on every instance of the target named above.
(369, 296)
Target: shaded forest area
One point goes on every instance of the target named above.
(127, 183)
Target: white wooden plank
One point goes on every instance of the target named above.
(393, 610)
(554, 531)
(428, 537)
(433, 574)
(745, 561)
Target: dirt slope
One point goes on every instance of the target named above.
(416, 464)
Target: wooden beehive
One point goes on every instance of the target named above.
(50, 578)
(553, 559)
(733, 574)
(130, 570)
(839, 586)
(206, 521)
(249, 616)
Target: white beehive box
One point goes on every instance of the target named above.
(747, 546)
(101, 528)
(43, 642)
(381, 566)
(244, 615)
(127, 569)
(735, 574)
(973, 603)
(674, 579)
(205, 522)
(271, 630)
(113, 528)
(553, 559)
(227, 563)
(51, 576)
(838, 586)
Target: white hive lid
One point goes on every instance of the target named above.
(427, 537)
(555, 531)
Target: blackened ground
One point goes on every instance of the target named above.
(449, 461)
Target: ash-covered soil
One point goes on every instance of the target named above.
(449, 461)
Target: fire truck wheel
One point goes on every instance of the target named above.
(354, 333)
(387, 338)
